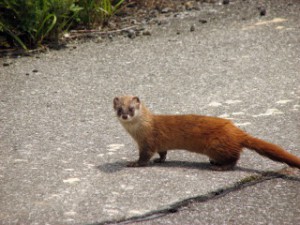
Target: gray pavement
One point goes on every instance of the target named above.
(269, 202)
(63, 153)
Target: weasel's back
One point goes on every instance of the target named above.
(190, 122)
(190, 131)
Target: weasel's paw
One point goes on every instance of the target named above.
(159, 160)
(212, 162)
(136, 164)
(132, 164)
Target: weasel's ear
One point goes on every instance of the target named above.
(116, 102)
(136, 99)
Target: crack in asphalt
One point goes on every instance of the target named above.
(180, 206)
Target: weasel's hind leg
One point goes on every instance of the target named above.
(223, 163)
(224, 155)
(162, 157)
(222, 166)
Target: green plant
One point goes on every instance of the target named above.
(108, 9)
(7, 32)
(29, 22)
(95, 12)
(88, 15)
(67, 14)
(26, 21)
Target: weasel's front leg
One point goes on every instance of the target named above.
(145, 155)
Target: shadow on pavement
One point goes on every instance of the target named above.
(120, 165)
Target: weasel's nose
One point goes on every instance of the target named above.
(124, 117)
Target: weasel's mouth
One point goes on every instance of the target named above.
(124, 117)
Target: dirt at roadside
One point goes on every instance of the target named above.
(135, 15)
(143, 11)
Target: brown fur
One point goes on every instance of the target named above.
(217, 138)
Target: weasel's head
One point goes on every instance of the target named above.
(127, 108)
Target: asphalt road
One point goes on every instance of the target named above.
(63, 153)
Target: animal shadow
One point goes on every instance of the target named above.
(117, 166)
(201, 166)
(112, 167)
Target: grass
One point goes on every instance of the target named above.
(95, 12)
(29, 24)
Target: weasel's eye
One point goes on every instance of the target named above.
(131, 110)
(119, 111)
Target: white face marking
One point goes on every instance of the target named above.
(126, 118)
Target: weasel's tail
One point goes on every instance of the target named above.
(271, 151)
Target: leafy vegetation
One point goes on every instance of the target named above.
(29, 23)
(95, 12)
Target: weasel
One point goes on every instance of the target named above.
(217, 138)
